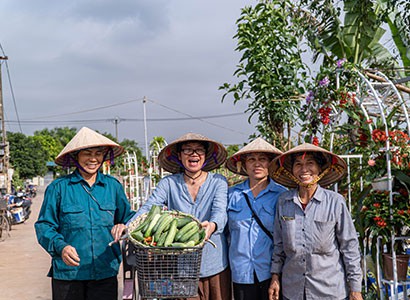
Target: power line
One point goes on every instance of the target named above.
(45, 122)
(193, 117)
(86, 110)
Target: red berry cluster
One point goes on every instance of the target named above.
(380, 222)
(346, 97)
(324, 113)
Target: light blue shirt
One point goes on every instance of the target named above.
(210, 205)
(316, 249)
(250, 248)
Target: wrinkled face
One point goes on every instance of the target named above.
(91, 159)
(192, 156)
(305, 168)
(256, 165)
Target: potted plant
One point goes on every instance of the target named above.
(381, 219)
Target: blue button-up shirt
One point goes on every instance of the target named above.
(316, 249)
(70, 216)
(250, 248)
(209, 205)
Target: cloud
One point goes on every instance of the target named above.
(68, 56)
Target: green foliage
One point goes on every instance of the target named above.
(27, 155)
(357, 37)
(270, 69)
(50, 145)
(232, 149)
(61, 134)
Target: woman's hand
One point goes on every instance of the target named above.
(209, 227)
(355, 296)
(70, 256)
(274, 287)
(117, 231)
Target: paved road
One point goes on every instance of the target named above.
(24, 264)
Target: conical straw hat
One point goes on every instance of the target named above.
(215, 155)
(86, 138)
(234, 163)
(282, 165)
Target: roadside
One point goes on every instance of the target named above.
(24, 264)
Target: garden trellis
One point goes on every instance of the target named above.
(381, 102)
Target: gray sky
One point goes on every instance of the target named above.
(93, 61)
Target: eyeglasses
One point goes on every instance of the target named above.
(190, 151)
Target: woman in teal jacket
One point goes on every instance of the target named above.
(80, 215)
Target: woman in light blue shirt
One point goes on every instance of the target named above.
(193, 190)
(250, 247)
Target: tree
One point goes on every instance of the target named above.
(270, 69)
(49, 144)
(62, 134)
(27, 155)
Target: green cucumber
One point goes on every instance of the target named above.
(171, 233)
(182, 221)
(182, 245)
(195, 238)
(186, 236)
(166, 222)
(163, 216)
(137, 234)
(154, 221)
(201, 235)
(185, 229)
(162, 238)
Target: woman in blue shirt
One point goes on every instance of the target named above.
(193, 190)
(250, 247)
(80, 215)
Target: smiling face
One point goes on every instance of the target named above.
(192, 156)
(256, 165)
(305, 168)
(90, 160)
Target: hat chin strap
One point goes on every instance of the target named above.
(300, 183)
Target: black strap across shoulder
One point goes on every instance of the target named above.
(254, 215)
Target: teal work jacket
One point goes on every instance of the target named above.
(71, 216)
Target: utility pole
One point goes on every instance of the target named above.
(5, 184)
(145, 129)
(116, 121)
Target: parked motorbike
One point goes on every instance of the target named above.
(20, 208)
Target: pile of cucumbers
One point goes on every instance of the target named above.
(163, 228)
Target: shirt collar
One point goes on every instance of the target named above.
(272, 186)
(319, 195)
(76, 178)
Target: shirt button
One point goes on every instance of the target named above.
(303, 245)
(304, 274)
(303, 229)
(303, 260)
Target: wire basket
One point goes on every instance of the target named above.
(168, 272)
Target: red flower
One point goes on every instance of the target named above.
(315, 141)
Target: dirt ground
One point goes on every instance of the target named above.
(24, 264)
